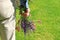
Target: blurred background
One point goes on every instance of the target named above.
(46, 16)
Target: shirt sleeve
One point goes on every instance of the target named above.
(24, 3)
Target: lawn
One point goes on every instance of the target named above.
(48, 12)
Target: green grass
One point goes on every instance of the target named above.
(48, 12)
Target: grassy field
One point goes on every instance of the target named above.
(48, 12)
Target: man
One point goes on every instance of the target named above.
(26, 23)
(7, 20)
(24, 10)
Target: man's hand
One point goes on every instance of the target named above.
(26, 13)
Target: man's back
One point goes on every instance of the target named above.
(6, 7)
(7, 20)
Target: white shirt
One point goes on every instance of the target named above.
(6, 9)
